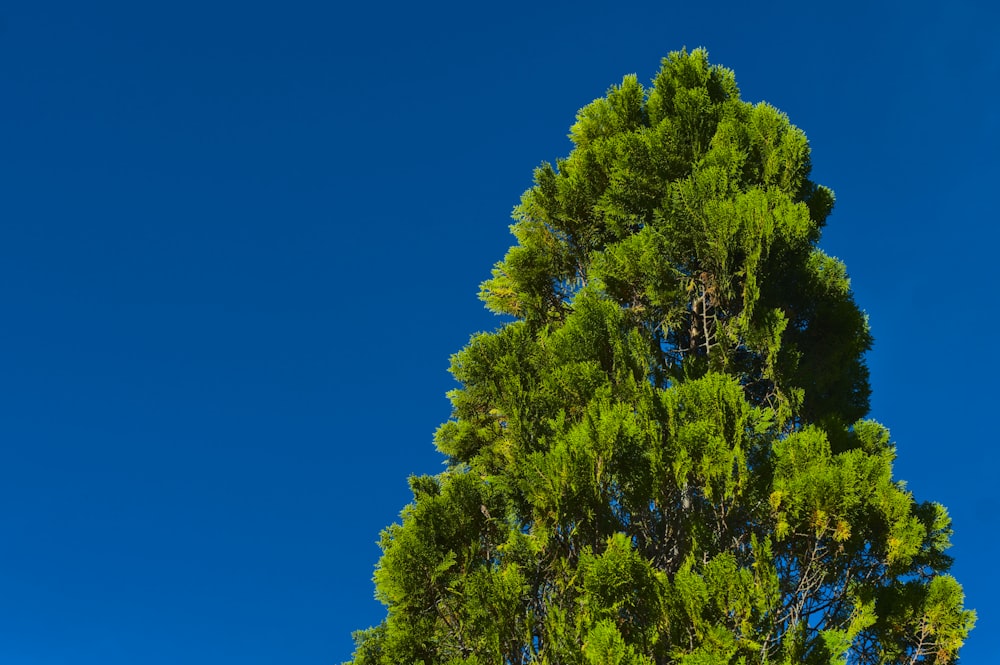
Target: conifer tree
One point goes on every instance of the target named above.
(662, 457)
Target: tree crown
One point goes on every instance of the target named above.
(660, 458)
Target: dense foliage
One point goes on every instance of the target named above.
(660, 458)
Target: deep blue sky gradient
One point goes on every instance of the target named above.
(239, 242)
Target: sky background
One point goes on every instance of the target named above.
(239, 242)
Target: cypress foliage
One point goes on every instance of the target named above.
(662, 458)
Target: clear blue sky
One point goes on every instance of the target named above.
(239, 242)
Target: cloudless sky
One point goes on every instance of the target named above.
(239, 241)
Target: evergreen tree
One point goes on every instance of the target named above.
(661, 458)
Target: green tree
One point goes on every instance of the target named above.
(661, 457)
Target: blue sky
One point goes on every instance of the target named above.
(239, 242)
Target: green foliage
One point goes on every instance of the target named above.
(661, 459)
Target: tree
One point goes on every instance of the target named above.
(661, 457)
